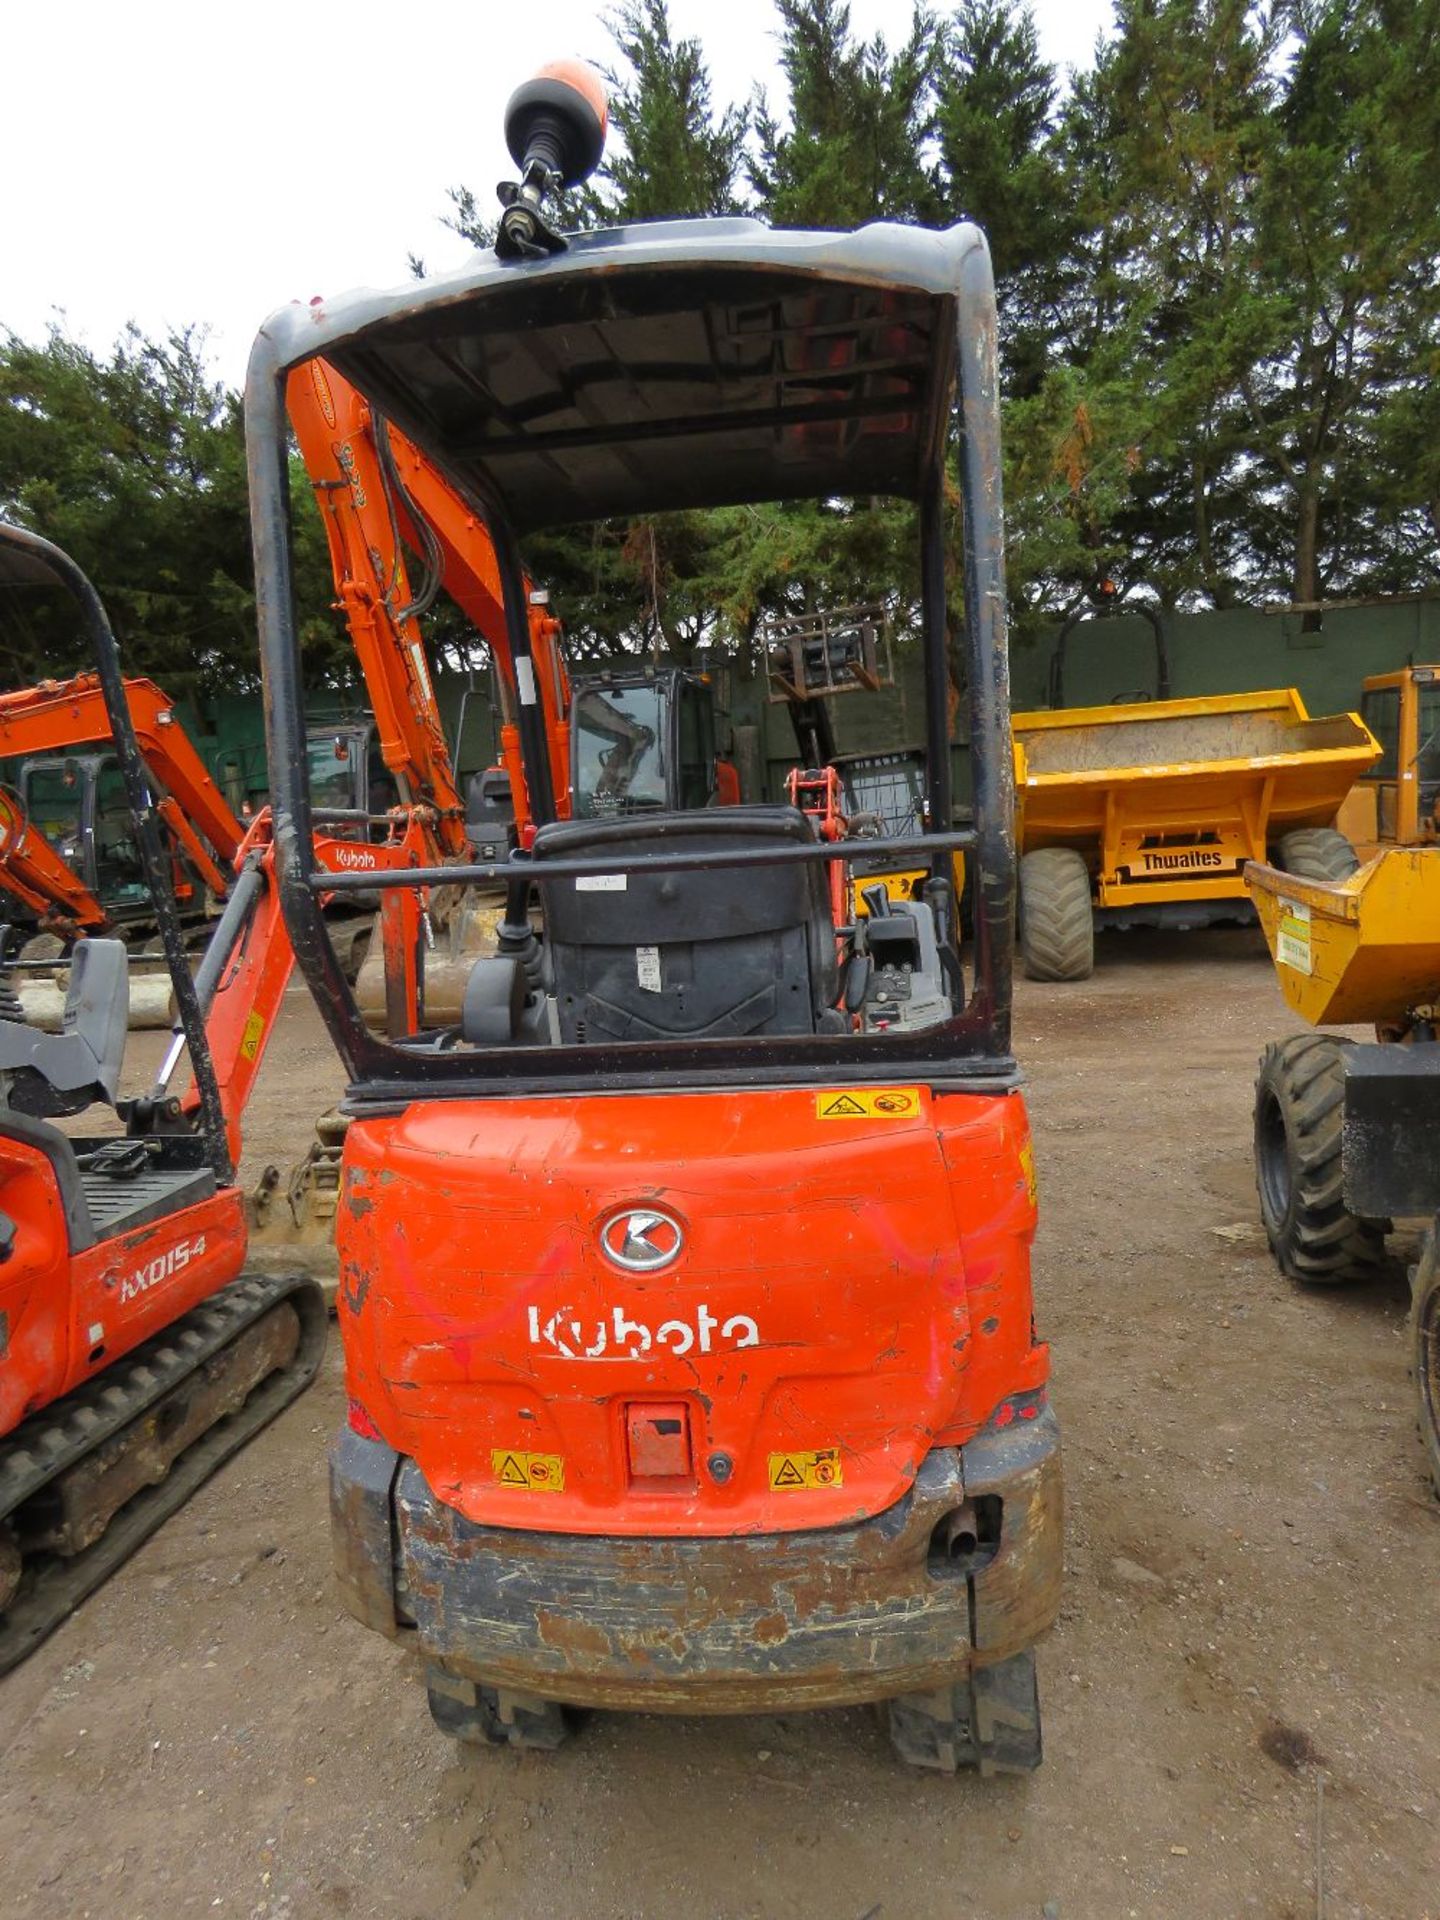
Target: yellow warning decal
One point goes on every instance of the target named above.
(535, 1472)
(1027, 1167)
(1292, 939)
(821, 1468)
(869, 1103)
(254, 1033)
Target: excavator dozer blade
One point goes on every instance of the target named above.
(291, 1212)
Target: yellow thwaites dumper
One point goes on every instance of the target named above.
(1347, 1136)
(1145, 814)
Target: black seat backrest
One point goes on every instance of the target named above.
(706, 953)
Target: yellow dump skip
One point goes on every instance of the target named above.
(1363, 951)
(1168, 799)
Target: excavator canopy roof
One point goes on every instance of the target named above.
(684, 364)
(20, 567)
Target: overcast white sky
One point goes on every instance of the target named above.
(170, 161)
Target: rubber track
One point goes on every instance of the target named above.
(1329, 1244)
(1318, 853)
(59, 1436)
(1056, 917)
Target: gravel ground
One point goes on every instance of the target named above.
(1244, 1681)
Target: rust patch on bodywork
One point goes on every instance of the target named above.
(355, 1285)
(571, 1635)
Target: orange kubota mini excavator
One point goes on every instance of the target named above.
(685, 1285)
(135, 1352)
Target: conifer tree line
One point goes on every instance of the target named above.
(1217, 252)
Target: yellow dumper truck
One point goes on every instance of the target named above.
(1347, 1135)
(1145, 813)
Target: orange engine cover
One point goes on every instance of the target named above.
(808, 1297)
(64, 1317)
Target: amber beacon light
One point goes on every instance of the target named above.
(555, 130)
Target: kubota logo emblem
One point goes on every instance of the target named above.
(641, 1240)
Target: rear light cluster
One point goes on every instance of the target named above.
(361, 1423)
(1020, 1406)
(1016, 1407)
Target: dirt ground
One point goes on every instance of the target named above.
(1244, 1684)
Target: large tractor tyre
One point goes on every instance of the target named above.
(489, 1717)
(1057, 922)
(1299, 1110)
(1425, 1348)
(1317, 853)
(990, 1720)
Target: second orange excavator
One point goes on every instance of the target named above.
(68, 853)
(624, 738)
(136, 1352)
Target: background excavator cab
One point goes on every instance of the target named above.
(687, 1313)
(79, 803)
(348, 774)
(642, 743)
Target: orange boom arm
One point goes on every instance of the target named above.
(340, 443)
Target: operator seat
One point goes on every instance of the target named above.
(50, 1074)
(106, 1185)
(696, 954)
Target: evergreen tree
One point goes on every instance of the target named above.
(135, 464)
(1340, 407)
(1271, 236)
(847, 148)
(857, 120)
(1005, 161)
(999, 158)
(628, 585)
(675, 156)
(1186, 100)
